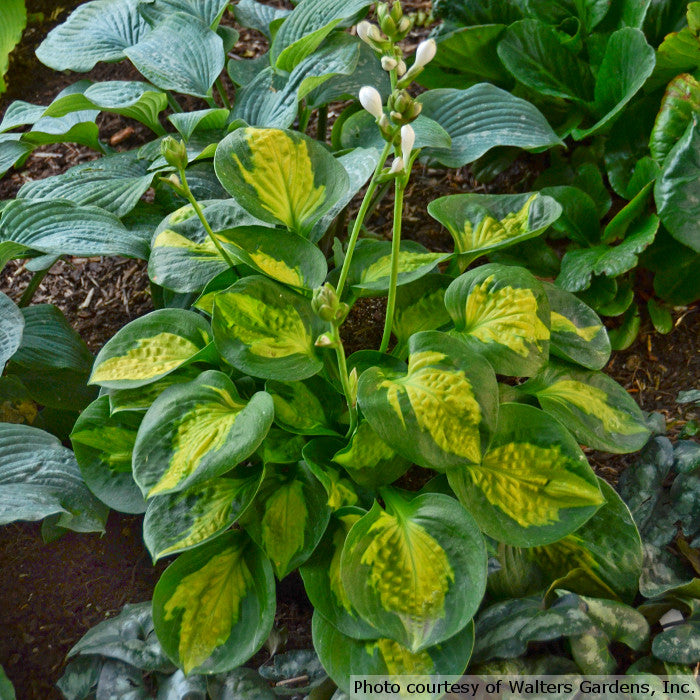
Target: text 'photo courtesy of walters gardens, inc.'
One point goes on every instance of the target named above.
(639, 686)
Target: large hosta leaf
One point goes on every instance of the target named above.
(181, 54)
(180, 521)
(594, 407)
(97, 31)
(253, 14)
(197, 431)
(484, 223)
(441, 412)
(262, 328)
(577, 333)
(281, 177)
(103, 446)
(214, 607)
(40, 478)
(157, 11)
(115, 183)
(344, 657)
(502, 313)
(509, 121)
(533, 485)
(416, 571)
(10, 329)
(151, 347)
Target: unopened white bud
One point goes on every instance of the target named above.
(363, 29)
(371, 100)
(404, 25)
(425, 52)
(388, 63)
(397, 166)
(401, 68)
(408, 140)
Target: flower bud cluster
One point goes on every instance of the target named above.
(327, 306)
(174, 152)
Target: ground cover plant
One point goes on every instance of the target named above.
(235, 420)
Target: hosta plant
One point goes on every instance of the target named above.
(234, 418)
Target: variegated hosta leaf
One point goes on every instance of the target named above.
(502, 313)
(602, 558)
(214, 606)
(179, 521)
(442, 411)
(196, 431)
(481, 223)
(533, 485)
(577, 334)
(141, 398)
(340, 490)
(267, 330)
(281, 177)
(281, 447)
(416, 571)
(594, 407)
(103, 446)
(151, 347)
(344, 657)
(309, 407)
(288, 517)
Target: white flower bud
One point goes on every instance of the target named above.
(397, 166)
(404, 25)
(425, 52)
(408, 140)
(401, 68)
(389, 63)
(371, 100)
(363, 29)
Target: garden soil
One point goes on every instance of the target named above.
(51, 594)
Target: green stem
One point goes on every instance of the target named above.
(222, 93)
(198, 210)
(174, 104)
(211, 102)
(31, 288)
(345, 378)
(322, 126)
(395, 249)
(304, 116)
(359, 220)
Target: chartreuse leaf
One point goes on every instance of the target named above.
(340, 490)
(502, 313)
(602, 558)
(416, 571)
(577, 333)
(196, 431)
(594, 407)
(485, 223)
(281, 177)
(533, 485)
(140, 398)
(10, 329)
(13, 20)
(344, 657)
(288, 517)
(96, 31)
(266, 330)
(151, 347)
(181, 54)
(214, 606)
(309, 407)
(441, 412)
(208, 11)
(103, 445)
(180, 521)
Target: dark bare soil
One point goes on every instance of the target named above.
(51, 594)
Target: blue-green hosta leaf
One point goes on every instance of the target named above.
(502, 313)
(150, 347)
(96, 31)
(602, 558)
(193, 432)
(12, 150)
(40, 478)
(115, 183)
(157, 11)
(416, 571)
(11, 329)
(187, 123)
(484, 223)
(13, 20)
(594, 407)
(288, 517)
(133, 99)
(303, 31)
(180, 521)
(344, 657)
(20, 113)
(442, 411)
(577, 333)
(214, 606)
(103, 446)
(181, 54)
(65, 228)
(281, 177)
(267, 330)
(533, 485)
(509, 121)
(256, 15)
(677, 190)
